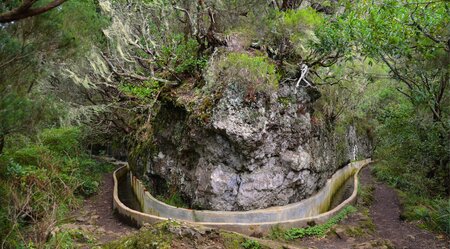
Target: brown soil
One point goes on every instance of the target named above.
(385, 212)
(377, 226)
(97, 211)
(96, 219)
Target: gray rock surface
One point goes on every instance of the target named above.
(249, 155)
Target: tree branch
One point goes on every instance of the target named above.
(25, 10)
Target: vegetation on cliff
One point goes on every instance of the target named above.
(78, 75)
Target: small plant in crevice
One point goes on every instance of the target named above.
(318, 230)
(174, 199)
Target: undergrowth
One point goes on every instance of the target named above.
(318, 230)
(43, 178)
(251, 73)
(251, 244)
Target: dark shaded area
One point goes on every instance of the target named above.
(158, 185)
(126, 195)
(344, 192)
(118, 152)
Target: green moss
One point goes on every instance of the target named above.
(364, 227)
(151, 211)
(251, 244)
(355, 232)
(368, 225)
(244, 35)
(294, 19)
(69, 239)
(147, 238)
(297, 26)
(250, 73)
(365, 195)
(145, 90)
(286, 101)
(167, 224)
(232, 240)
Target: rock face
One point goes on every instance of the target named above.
(250, 154)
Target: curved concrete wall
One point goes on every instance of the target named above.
(247, 222)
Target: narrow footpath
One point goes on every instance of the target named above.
(377, 226)
(96, 218)
(97, 212)
(385, 212)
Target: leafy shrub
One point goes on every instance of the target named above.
(434, 214)
(318, 230)
(251, 244)
(413, 150)
(88, 187)
(297, 27)
(32, 154)
(17, 112)
(5, 223)
(65, 140)
(293, 21)
(148, 89)
(250, 72)
(42, 180)
(417, 205)
(182, 55)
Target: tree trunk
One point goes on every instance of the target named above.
(441, 164)
(290, 4)
(2, 143)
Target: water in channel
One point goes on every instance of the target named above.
(128, 198)
(126, 195)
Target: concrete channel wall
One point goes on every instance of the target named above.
(254, 222)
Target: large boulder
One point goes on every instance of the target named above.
(250, 154)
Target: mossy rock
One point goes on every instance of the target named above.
(147, 238)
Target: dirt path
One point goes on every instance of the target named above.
(96, 219)
(377, 226)
(385, 212)
(97, 212)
